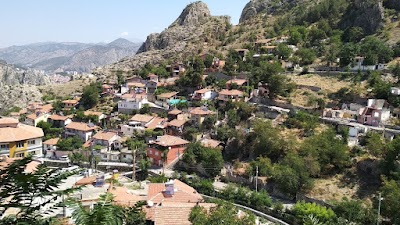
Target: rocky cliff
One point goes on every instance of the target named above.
(12, 75)
(184, 37)
(255, 7)
(18, 86)
(367, 14)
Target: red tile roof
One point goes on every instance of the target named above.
(201, 111)
(231, 92)
(103, 135)
(80, 126)
(52, 141)
(202, 91)
(175, 112)
(169, 141)
(176, 123)
(142, 118)
(58, 117)
(167, 95)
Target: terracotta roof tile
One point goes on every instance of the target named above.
(210, 143)
(183, 193)
(11, 131)
(103, 135)
(58, 117)
(80, 126)
(239, 82)
(167, 95)
(201, 111)
(168, 140)
(123, 197)
(202, 91)
(52, 141)
(88, 113)
(231, 92)
(157, 122)
(142, 118)
(72, 101)
(176, 123)
(136, 84)
(175, 112)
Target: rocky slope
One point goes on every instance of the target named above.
(186, 35)
(60, 57)
(18, 86)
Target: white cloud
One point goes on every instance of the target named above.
(125, 33)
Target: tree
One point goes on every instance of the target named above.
(225, 213)
(208, 61)
(306, 55)
(69, 144)
(145, 109)
(391, 164)
(209, 158)
(106, 213)
(302, 210)
(30, 192)
(375, 51)
(354, 211)
(391, 195)
(283, 51)
(347, 54)
(48, 131)
(135, 146)
(375, 143)
(396, 71)
(90, 95)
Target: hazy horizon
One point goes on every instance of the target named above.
(102, 21)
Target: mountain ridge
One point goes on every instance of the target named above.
(63, 56)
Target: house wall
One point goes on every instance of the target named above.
(127, 107)
(131, 130)
(85, 136)
(155, 155)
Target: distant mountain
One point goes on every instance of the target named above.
(68, 56)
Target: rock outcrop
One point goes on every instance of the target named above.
(194, 15)
(183, 38)
(255, 7)
(17, 86)
(392, 4)
(11, 75)
(367, 14)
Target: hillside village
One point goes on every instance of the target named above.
(300, 125)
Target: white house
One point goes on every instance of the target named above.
(107, 139)
(204, 94)
(82, 130)
(359, 65)
(395, 91)
(131, 103)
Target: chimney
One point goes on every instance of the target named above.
(169, 188)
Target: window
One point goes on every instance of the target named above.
(156, 152)
(124, 156)
(31, 142)
(376, 114)
(20, 144)
(114, 157)
(20, 155)
(150, 152)
(4, 146)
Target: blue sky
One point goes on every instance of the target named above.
(30, 21)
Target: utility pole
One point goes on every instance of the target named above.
(134, 165)
(256, 178)
(379, 209)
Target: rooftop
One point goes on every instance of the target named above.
(52, 141)
(201, 111)
(11, 131)
(103, 135)
(210, 143)
(175, 112)
(58, 117)
(183, 193)
(157, 122)
(81, 126)
(202, 91)
(168, 141)
(231, 92)
(176, 123)
(89, 113)
(142, 118)
(239, 82)
(72, 101)
(167, 95)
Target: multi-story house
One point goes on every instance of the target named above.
(19, 140)
(59, 121)
(199, 114)
(230, 95)
(204, 94)
(106, 139)
(82, 130)
(34, 118)
(69, 104)
(166, 150)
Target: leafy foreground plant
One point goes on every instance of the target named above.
(106, 213)
(30, 193)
